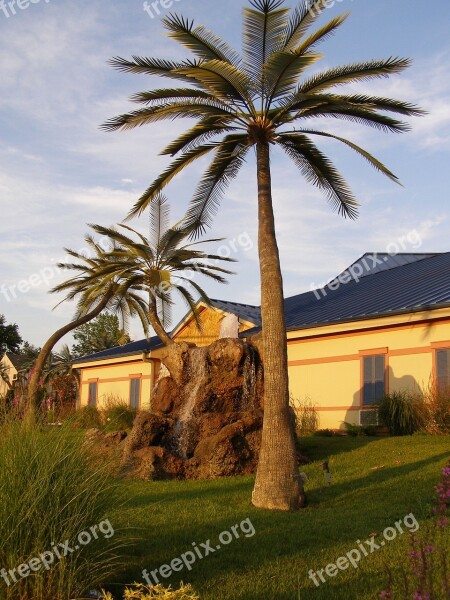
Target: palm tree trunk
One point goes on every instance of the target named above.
(277, 484)
(156, 323)
(42, 358)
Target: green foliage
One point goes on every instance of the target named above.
(324, 433)
(88, 417)
(50, 491)
(360, 430)
(403, 413)
(117, 415)
(10, 339)
(306, 416)
(100, 334)
(438, 403)
(140, 591)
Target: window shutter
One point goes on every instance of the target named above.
(135, 388)
(442, 361)
(92, 400)
(374, 379)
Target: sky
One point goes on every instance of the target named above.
(60, 172)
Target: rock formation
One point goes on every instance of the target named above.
(206, 417)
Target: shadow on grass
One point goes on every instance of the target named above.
(321, 448)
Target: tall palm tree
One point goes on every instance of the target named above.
(95, 293)
(160, 265)
(256, 100)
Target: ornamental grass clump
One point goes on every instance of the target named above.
(51, 490)
(404, 413)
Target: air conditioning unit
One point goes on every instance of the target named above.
(369, 417)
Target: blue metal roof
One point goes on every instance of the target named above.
(127, 350)
(417, 285)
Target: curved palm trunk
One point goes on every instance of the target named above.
(156, 323)
(277, 484)
(42, 358)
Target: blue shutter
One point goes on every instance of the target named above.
(374, 379)
(135, 392)
(92, 400)
(442, 363)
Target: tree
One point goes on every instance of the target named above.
(160, 265)
(94, 293)
(261, 99)
(101, 333)
(10, 339)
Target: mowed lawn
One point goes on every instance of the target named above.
(166, 518)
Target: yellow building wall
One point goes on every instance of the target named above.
(11, 372)
(113, 381)
(326, 369)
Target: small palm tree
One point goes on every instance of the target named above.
(161, 265)
(94, 294)
(255, 101)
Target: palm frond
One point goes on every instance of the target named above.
(371, 159)
(302, 17)
(202, 131)
(320, 171)
(263, 24)
(372, 69)
(356, 115)
(202, 42)
(183, 109)
(152, 66)
(282, 70)
(322, 34)
(224, 81)
(159, 219)
(166, 177)
(228, 159)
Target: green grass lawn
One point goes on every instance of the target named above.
(167, 517)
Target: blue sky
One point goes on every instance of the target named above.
(58, 171)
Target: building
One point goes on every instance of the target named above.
(11, 366)
(380, 326)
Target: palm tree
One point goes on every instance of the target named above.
(257, 100)
(161, 265)
(95, 293)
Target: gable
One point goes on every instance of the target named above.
(211, 320)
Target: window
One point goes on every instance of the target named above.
(374, 383)
(92, 399)
(442, 370)
(135, 393)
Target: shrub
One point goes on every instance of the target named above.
(324, 433)
(438, 402)
(306, 416)
(88, 417)
(360, 430)
(50, 491)
(403, 413)
(117, 414)
(144, 592)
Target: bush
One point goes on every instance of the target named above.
(438, 403)
(360, 430)
(144, 592)
(88, 417)
(324, 433)
(403, 413)
(50, 491)
(306, 416)
(117, 414)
